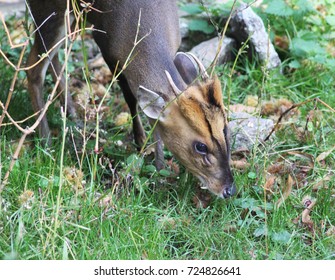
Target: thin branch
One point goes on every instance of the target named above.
(284, 114)
(12, 86)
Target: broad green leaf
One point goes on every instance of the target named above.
(279, 8)
(300, 47)
(164, 172)
(192, 8)
(295, 64)
(149, 168)
(330, 20)
(252, 175)
(201, 25)
(261, 231)
(281, 237)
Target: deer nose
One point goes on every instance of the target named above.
(229, 191)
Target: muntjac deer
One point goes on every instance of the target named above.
(187, 110)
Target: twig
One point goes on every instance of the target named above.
(12, 86)
(285, 113)
(222, 35)
(12, 45)
(296, 106)
(29, 130)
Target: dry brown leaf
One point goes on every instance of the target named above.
(268, 108)
(308, 157)
(251, 100)
(167, 222)
(106, 201)
(331, 231)
(308, 202)
(278, 168)
(103, 75)
(237, 108)
(276, 108)
(122, 119)
(241, 164)
(323, 155)
(322, 182)
(268, 186)
(286, 191)
(26, 199)
(281, 42)
(201, 199)
(173, 166)
(74, 178)
(96, 62)
(282, 105)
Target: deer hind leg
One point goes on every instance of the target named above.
(50, 30)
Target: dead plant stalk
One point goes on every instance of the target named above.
(29, 130)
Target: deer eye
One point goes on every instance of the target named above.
(200, 148)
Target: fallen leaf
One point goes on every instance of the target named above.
(281, 42)
(278, 168)
(74, 178)
(308, 202)
(323, 155)
(106, 201)
(26, 199)
(173, 166)
(167, 222)
(286, 191)
(268, 186)
(268, 108)
(201, 199)
(308, 157)
(96, 62)
(282, 105)
(321, 183)
(237, 108)
(331, 231)
(122, 119)
(251, 100)
(241, 164)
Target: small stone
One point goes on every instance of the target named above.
(206, 51)
(247, 130)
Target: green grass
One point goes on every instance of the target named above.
(120, 207)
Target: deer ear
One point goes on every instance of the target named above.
(186, 67)
(150, 102)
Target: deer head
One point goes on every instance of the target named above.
(193, 124)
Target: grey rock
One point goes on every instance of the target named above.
(183, 27)
(12, 7)
(246, 24)
(206, 51)
(247, 130)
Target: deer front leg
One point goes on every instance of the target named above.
(55, 69)
(138, 131)
(159, 154)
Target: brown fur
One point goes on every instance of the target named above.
(198, 115)
(195, 117)
(203, 112)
